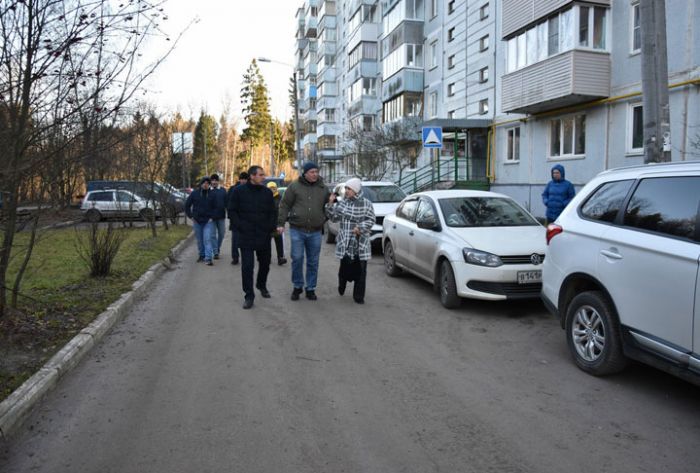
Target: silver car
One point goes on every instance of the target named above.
(101, 204)
(622, 270)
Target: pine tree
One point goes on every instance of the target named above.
(205, 155)
(256, 106)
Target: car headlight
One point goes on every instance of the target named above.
(481, 258)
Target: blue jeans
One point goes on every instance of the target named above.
(311, 244)
(217, 236)
(204, 232)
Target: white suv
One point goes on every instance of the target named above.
(622, 270)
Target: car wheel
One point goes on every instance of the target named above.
(330, 238)
(146, 215)
(390, 260)
(593, 334)
(93, 216)
(448, 287)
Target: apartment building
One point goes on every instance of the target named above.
(570, 90)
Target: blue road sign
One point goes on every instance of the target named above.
(432, 137)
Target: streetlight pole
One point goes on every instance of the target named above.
(297, 131)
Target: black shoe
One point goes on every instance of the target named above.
(281, 261)
(234, 261)
(360, 301)
(248, 303)
(311, 295)
(341, 288)
(216, 256)
(264, 292)
(295, 293)
(200, 259)
(209, 262)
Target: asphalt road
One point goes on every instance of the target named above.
(190, 382)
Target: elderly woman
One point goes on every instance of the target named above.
(356, 216)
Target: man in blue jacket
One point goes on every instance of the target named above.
(200, 208)
(219, 217)
(557, 194)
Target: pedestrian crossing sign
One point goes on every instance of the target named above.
(432, 137)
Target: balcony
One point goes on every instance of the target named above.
(366, 32)
(406, 80)
(566, 79)
(311, 26)
(518, 14)
(329, 155)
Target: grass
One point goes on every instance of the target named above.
(59, 298)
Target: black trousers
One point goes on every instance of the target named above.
(248, 268)
(358, 290)
(279, 245)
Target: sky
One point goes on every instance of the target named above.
(206, 68)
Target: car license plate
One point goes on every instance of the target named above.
(528, 277)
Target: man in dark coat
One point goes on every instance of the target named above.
(219, 216)
(235, 253)
(200, 208)
(557, 194)
(252, 211)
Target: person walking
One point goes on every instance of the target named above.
(219, 216)
(303, 206)
(235, 253)
(277, 237)
(252, 211)
(199, 206)
(557, 194)
(356, 216)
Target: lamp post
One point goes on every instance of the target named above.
(296, 106)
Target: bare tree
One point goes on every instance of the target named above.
(68, 68)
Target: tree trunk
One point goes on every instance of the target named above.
(25, 261)
(10, 210)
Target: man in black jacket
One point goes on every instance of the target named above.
(219, 216)
(252, 212)
(200, 208)
(235, 253)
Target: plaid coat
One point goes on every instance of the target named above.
(351, 213)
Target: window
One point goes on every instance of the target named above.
(451, 89)
(451, 7)
(484, 43)
(553, 35)
(583, 26)
(483, 75)
(367, 123)
(568, 136)
(364, 86)
(330, 114)
(433, 8)
(433, 54)
(451, 114)
(599, 27)
(667, 205)
(635, 129)
(513, 144)
(451, 62)
(364, 50)
(406, 55)
(101, 197)
(403, 10)
(125, 197)
(483, 107)
(467, 212)
(451, 34)
(407, 210)
(405, 105)
(605, 203)
(433, 104)
(636, 39)
(484, 12)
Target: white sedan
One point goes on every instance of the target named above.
(473, 244)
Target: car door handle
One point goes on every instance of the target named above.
(611, 253)
(394, 226)
(411, 233)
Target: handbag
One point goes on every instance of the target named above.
(351, 267)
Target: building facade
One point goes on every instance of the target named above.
(516, 85)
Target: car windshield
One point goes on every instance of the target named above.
(484, 212)
(383, 194)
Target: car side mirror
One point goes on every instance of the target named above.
(428, 224)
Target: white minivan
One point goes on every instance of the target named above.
(622, 270)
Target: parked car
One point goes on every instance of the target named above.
(473, 244)
(172, 200)
(112, 203)
(385, 197)
(622, 270)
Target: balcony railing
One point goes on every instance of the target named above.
(569, 78)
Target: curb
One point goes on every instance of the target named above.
(15, 409)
